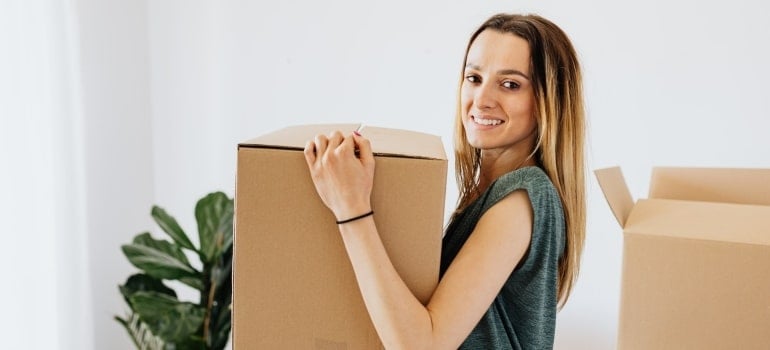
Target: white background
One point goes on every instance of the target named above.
(168, 88)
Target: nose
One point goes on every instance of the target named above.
(484, 96)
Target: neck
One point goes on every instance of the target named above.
(497, 163)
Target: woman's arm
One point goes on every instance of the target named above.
(468, 287)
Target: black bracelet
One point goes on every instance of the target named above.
(340, 222)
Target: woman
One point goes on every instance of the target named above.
(511, 251)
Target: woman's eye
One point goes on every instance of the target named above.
(511, 85)
(472, 78)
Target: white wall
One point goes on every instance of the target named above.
(118, 150)
(45, 285)
(667, 83)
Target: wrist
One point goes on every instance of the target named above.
(351, 209)
(342, 221)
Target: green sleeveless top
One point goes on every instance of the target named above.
(523, 315)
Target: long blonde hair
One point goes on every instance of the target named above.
(560, 115)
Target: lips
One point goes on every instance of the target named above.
(486, 121)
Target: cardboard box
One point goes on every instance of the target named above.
(293, 284)
(696, 259)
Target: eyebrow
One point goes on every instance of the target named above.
(500, 72)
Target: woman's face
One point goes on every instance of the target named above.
(497, 100)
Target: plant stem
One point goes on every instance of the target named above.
(211, 289)
(209, 307)
(205, 301)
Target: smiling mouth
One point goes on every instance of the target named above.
(487, 122)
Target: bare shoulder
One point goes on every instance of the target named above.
(485, 261)
(510, 217)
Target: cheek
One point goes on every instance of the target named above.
(522, 107)
(529, 112)
(532, 124)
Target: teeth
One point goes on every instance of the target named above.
(487, 121)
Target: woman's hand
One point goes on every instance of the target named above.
(343, 180)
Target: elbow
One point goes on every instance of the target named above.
(419, 338)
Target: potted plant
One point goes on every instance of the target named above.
(157, 319)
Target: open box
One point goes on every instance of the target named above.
(696, 258)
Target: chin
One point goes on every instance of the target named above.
(480, 144)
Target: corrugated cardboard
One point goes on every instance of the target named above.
(293, 285)
(696, 259)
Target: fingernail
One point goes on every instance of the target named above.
(356, 132)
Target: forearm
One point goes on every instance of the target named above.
(402, 322)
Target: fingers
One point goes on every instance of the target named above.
(335, 145)
(310, 154)
(347, 146)
(335, 138)
(321, 143)
(364, 149)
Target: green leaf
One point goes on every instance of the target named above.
(126, 326)
(167, 317)
(194, 282)
(156, 262)
(214, 214)
(192, 343)
(221, 336)
(140, 333)
(219, 328)
(163, 246)
(221, 318)
(171, 227)
(141, 282)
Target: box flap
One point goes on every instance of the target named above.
(295, 137)
(616, 192)
(745, 186)
(737, 223)
(385, 141)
